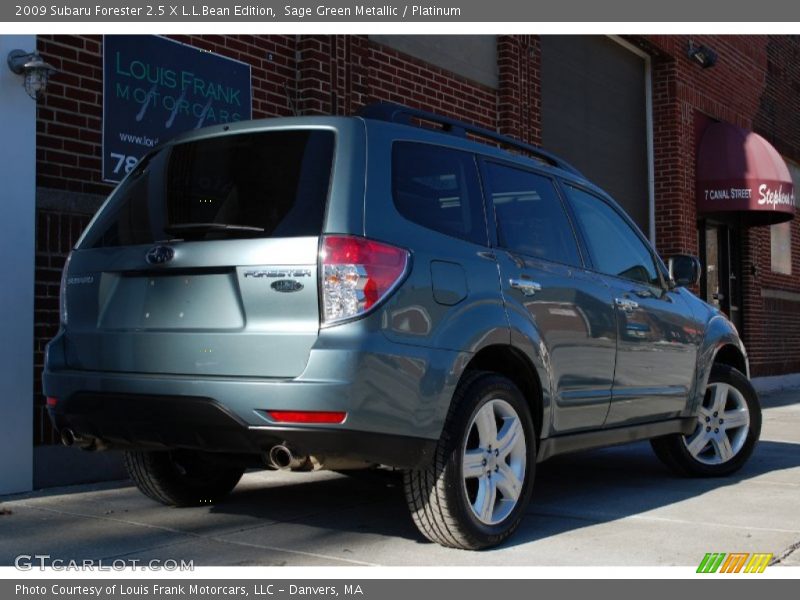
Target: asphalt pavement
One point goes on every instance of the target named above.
(616, 506)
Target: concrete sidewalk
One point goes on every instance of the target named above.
(617, 506)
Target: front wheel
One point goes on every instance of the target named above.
(475, 492)
(728, 427)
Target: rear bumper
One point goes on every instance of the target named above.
(127, 421)
(396, 398)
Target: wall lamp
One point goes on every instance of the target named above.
(36, 71)
(702, 55)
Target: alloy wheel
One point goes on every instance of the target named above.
(493, 461)
(722, 425)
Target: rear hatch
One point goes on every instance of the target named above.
(204, 261)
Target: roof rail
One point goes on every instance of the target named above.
(396, 113)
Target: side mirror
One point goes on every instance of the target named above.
(685, 270)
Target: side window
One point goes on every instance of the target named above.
(530, 217)
(614, 246)
(438, 188)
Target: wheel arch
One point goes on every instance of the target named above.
(512, 363)
(731, 355)
(720, 345)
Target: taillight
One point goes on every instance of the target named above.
(62, 292)
(357, 274)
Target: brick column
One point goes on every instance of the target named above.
(314, 92)
(519, 97)
(673, 146)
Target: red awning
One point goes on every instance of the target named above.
(738, 171)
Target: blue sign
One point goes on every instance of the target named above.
(155, 88)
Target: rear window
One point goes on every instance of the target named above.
(438, 188)
(267, 184)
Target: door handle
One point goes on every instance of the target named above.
(626, 304)
(526, 286)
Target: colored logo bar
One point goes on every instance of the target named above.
(734, 562)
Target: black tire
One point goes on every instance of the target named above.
(438, 496)
(181, 477)
(674, 452)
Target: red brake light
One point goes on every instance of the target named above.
(357, 274)
(307, 416)
(51, 402)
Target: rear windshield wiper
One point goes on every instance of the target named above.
(200, 228)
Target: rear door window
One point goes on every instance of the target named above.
(438, 188)
(530, 217)
(265, 184)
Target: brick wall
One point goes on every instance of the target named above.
(339, 74)
(773, 327)
(56, 233)
(682, 92)
(69, 123)
(754, 85)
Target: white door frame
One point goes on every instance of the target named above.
(17, 247)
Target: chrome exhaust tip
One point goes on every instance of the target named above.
(283, 458)
(67, 437)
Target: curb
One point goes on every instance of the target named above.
(765, 385)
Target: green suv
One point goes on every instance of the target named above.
(395, 288)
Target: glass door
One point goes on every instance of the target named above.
(720, 245)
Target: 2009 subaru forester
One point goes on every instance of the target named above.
(386, 289)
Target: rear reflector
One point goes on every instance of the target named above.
(51, 402)
(307, 416)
